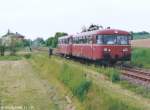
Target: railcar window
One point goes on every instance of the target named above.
(73, 40)
(84, 40)
(66, 41)
(89, 40)
(70, 41)
(59, 41)
(122, 40)
(109, 39)
(80, 40)
(99, 39)
(77, 40)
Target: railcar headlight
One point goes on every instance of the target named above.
(105, 49)
(125, 50)
(109, 50)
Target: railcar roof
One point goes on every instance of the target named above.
(100, 32)
(103, 32)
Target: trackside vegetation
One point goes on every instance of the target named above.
(111, 73)
(141, 57)
(75, 80)
(90, 91)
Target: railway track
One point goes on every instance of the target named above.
(137, 74)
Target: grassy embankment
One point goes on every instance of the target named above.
(94, 92)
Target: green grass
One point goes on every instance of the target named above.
(92, 94)
(10, 58)
(141, 57)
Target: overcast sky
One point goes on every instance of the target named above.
(42, 18)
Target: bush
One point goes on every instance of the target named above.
(27, 56)
(75, 80)
(114, 76)
(82, 89)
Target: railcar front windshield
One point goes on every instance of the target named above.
(122, 40)
(113, 39)
(109, 39)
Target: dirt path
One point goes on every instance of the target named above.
(21, 87)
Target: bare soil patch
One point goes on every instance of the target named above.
(141, 43)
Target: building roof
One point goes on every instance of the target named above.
(18, 35)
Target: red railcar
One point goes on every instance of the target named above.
(98, 45)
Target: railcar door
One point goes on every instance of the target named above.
(70, 46)
(87, 50)
(97, 47)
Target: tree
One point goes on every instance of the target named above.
(2, 48)
(60, 34)
(94, 27)
(49, 41)
(27, 42)
(39, 42)
(53, 41)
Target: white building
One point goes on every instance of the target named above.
(9, 36)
